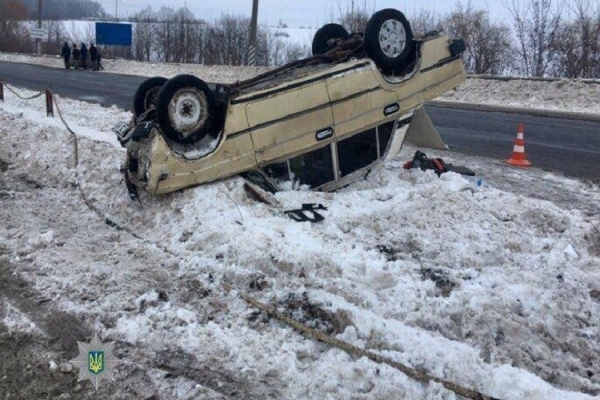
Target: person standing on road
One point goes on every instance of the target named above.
(98, 61)
(75, 56)
(95, 56)
(84, 54)
(66, 55)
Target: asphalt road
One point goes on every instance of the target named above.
(568, 146)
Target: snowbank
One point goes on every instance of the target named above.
(494, 290)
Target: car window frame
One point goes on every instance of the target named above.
(338, 180)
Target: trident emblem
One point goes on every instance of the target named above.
(96, 362)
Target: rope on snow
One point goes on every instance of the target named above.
(19, 96)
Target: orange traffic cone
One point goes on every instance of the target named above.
(518, 158)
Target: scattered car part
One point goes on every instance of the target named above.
(307, 213)
(438, 165)
(257, 193)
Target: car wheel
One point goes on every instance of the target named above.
(389, 41)
(321, 42)
(185, 109)
(146, 94)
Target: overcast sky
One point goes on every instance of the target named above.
(295, 13)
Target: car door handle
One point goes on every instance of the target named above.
(323, 134)
(391, 109)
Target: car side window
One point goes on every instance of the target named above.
(384, 134)
(278, 171)
(314, 168)
(311, 169)
(357, 152)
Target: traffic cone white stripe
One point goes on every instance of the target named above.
(518, 158)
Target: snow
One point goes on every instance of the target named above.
(493, 286)
(16, 321)
(570, 95)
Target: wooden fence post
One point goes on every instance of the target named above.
(49, 107)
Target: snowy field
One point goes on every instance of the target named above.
(495, 288)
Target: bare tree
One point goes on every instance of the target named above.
(295, 51)
(227, 41)
(536, 24)
(14, 36)
(164, 34)
(116, 52)
(425, 21)
(186, 31)
(488, 44)
(281, 52)
(355, 17)
(199, 42)
(78, 33)
(578, 50)
(56, 37)
(143, 34)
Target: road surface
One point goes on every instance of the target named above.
(568, 146)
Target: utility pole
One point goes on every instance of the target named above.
(252, 49)
(116, 9)
(39, 41)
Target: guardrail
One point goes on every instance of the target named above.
(530, 78)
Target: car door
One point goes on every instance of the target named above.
(358, 101)
(290, 119)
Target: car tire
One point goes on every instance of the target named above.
(326, 33)
(146, 94)
(185, 109)
(389, 41)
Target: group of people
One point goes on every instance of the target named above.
(78, 57)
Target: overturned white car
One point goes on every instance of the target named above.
(321, 122)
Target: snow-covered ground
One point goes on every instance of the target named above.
(565, 95)
(496, 288)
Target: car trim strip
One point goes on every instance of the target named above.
(441, 63)
(296, 85)
(275, 121)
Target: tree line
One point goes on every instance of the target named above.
(58, 9)
(553, 38)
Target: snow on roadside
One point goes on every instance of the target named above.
(210, 73)
(566, 95)
(472, 284)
